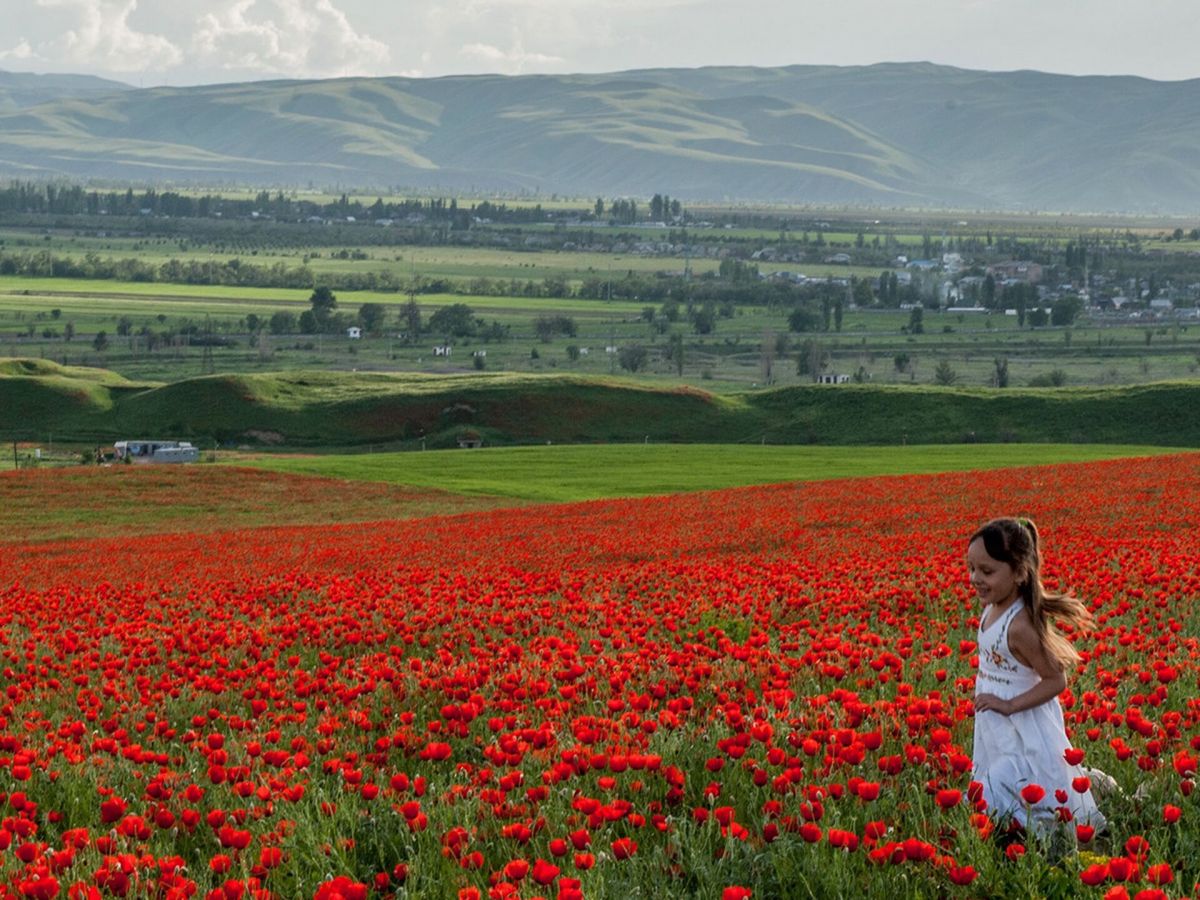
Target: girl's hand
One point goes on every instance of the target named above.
(991, 702)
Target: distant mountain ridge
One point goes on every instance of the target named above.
(896, 134)
(21, 89)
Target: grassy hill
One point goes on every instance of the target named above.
(893, 134)
(336, 409)
(19, 90)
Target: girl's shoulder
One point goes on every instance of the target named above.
(1024, 642)
(1020, 619)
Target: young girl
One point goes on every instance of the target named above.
(1019, 735)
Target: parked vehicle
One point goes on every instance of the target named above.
(144, 452)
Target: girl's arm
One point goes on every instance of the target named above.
(1026, 647)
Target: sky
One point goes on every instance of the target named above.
(181, 42)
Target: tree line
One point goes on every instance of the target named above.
(241, 273)
(72, 200)
(35, 197)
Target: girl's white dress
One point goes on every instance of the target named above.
(1025, 747)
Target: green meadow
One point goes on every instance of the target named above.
(558, 474)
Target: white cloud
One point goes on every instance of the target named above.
(297, 38)
(22, 51)
(194, 41)
(103, 37)
(594, 8)
(510, 62)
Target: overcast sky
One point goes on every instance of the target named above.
(151, 42)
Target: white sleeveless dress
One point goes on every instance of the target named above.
(1023, 748)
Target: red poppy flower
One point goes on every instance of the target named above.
(544, 872)
(1094, 874)
(1160, 873)
(624, 848)
(948, 798)
(1032, 793)
(962, 874)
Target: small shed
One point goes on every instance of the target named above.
(470, 440)
(442, 350)
(354, 333)
(832, 379)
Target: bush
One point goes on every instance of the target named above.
(549, 327)
(1053, 378)
(633, 358)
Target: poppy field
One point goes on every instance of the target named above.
(758, 692)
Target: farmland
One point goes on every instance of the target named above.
(760, 691)
(705, 299)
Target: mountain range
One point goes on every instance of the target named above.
(887, 135)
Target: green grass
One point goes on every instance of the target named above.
(313, 408)
(560, 474)
(14, 284)
(101, 303)
(67, 500)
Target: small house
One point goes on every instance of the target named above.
(354, 333)
(832, 379)
(1017, 270)
(441, 350)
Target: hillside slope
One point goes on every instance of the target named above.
(347, 409)
(21, 89)
(891, 134)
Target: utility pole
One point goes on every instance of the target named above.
(207, 366)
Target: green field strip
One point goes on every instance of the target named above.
(571, 473)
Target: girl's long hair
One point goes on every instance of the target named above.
(1015, 541)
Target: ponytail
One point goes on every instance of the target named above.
(1015, 541)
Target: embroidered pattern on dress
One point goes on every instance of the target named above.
(996, 658)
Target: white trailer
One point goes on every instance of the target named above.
(146, 452)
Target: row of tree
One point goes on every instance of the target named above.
(722, 292)
(36, 197)
(457, 320)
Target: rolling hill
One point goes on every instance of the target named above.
(889, 134)
(19, 90)
(343, 409)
